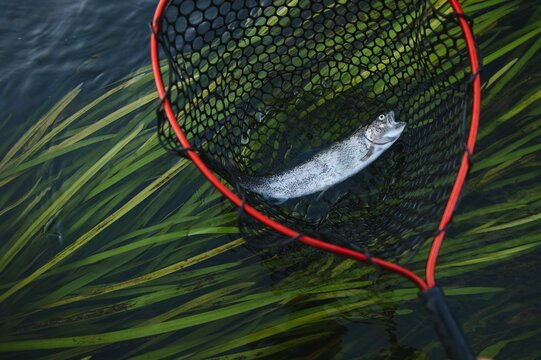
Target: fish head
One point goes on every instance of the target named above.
(385, 129)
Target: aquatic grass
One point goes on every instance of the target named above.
(316, 314)
(9, 251)
(494, 349)
(151, 276)
(142, 331)
(513, 67)
(31, 136)
(134, 280)
(261, 300)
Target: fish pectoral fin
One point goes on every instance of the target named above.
(273, 200)
(278, 201)
(320, 195)
(368, 153)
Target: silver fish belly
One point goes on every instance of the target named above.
(326, 169)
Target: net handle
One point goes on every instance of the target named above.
(288, 232)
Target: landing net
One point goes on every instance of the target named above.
(259, 87)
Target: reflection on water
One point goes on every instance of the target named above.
(50, 46)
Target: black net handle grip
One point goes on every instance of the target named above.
(445, 324)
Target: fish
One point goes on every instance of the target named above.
(331, 166)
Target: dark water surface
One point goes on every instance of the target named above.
(50, 46)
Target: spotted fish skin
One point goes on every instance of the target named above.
(331, 166)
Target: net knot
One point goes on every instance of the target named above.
(470, 20)
(469, 155)
(442, 230)
(296, 237)
(242, 210)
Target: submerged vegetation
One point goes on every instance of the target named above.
(112, 247)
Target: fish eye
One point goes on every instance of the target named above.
(382, 117)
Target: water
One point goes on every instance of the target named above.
(329, 310)
(50, 46)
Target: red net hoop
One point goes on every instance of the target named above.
(452, 24)
(245, 84)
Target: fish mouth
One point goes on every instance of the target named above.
(391, 120)
(400, 124)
